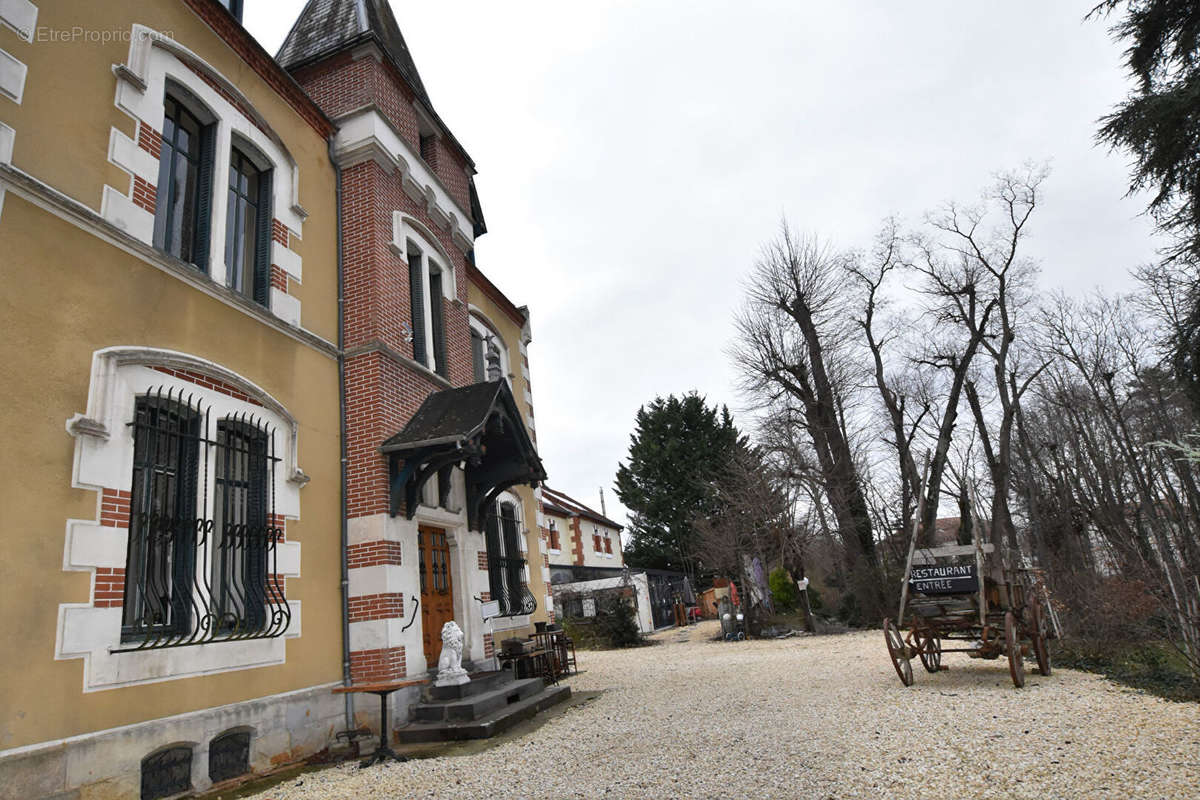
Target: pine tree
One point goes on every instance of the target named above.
(677, 450)
(1159, 125)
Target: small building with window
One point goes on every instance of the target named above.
(168, 223)
(581, 542)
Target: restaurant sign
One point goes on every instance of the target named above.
(947, 579)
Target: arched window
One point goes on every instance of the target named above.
(181, 539)
(248, 217)
(182, 212)
(506, 564)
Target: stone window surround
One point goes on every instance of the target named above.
(408, 231)
(157, 65)
(488, 330)
(104, 459)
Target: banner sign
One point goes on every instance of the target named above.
(490, 609)
(948, 579)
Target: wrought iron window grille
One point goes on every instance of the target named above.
(506, 568)
(167, 772)
(229, 756)
(201, 568)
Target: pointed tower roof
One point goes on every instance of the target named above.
(327, 26)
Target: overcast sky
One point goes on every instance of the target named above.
(633, 156)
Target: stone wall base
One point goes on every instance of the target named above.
(106, 765)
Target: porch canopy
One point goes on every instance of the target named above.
(476, 427)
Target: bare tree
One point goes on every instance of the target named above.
(794, 345)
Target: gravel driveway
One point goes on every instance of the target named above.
(821, 717)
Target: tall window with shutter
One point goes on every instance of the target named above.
(181, 215)
(437, 323)
(477, 360)
(248, 229)
(416, 298)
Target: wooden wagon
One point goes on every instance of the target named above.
(977, 598)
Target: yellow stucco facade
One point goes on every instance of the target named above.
(78, 283)
(491, 308)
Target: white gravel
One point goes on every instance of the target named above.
(813, 717)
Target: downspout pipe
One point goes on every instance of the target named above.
(341, 362)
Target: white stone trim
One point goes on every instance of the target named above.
(121, 212)
(141, 83)
(7, 137)
(21, 16)
(287, 260)
(154, 61)
(110, 402)
(405, 227)
(12, 77)
(104, 459)
(380, 579)
(286, 307)
(366, 135)
(125, 153)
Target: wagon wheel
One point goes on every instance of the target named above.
(898, 651)
(1040, 648)
(931, 652)
(1016, 664)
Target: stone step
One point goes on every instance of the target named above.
(476, 706)
(479, 683)
(497, 721)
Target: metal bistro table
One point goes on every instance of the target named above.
(384, 751)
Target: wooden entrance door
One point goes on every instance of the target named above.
(437, 599)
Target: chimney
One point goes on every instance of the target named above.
(603, 510)
(493, 361)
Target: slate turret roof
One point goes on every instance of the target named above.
(327, 26)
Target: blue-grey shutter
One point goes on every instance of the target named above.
(417, 300)
(262, 240)
(477, 355)
(439, 325)
(202, 243)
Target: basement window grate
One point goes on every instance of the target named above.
(229, 756)
(167, 772)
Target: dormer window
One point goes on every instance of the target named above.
(181, 216)
(248, 228)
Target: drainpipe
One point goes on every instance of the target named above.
(341, 361)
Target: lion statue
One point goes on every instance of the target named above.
(450, 670)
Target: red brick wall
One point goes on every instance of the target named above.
(576, 542)
(376, 606)
(383, 393)
(110, 587)
(342, 84)
(208, 383)
(373, 554)
(114, 508)
(489, 646)
(373, 666)
(149, 140)
(145, 194)
(483, 559)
